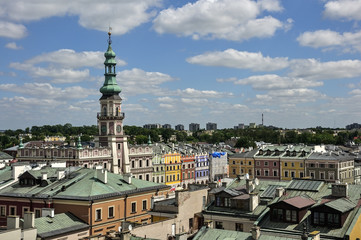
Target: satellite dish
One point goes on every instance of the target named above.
(130, 227)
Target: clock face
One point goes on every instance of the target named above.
(118, 128)
(103, 129)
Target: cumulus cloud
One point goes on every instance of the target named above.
(13, 45)
(316, 70)
(12, 30)
(234, 20)
(328, 38)
(343, 9)
(62, 66)
(47, 91)
(288, 97)
(273, 81)
(240, 59)
(194, 93)
(130, 80)
(124, 15)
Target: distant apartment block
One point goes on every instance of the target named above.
(179, 127)
(353, 126)
(193, 127)
(252, 125)
(152, 126)
(240, 126)
(211, 126)
(167, 126)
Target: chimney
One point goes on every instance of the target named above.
(253, 201)
(256, 232)
(127, 177)
(249, 186)
(16, 171)
(340, 190)
(279, 191)
(29, 220)
(47, 212)
(61, 175)
(102, 175)
(315, 235)
(44, 175)
(12, 222)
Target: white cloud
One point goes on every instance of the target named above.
(328, 38)
(12, 30)
(343, 9)
(288, 97)
(273, 81)
(13, 45)
(62, 66)
(194, 93)
(69, 58)
(240, 59)
(224, 19)
(131, 80)
(121, 15)
(316, 70)
(46, 91)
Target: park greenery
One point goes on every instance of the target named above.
(237, 137)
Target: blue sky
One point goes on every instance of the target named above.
(224, 61)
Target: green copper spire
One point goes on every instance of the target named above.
(79, 146)
(21, 145)
(149, 140)
(110, 86)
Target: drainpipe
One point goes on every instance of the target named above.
(125, 207)
(91, 216)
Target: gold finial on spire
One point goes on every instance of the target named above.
(109, 34)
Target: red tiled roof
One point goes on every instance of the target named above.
(300, 202)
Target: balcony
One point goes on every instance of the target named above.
(110, 115)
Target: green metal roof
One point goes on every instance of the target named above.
(5, 156)
(60, 224)
(305, 185)
(342, 205)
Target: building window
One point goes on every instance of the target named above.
(275, 164)
(219, 225)
(140, 163)
(322, 175)
(98, 214)
(147, 163)
(301, 164)
(239, 227)
(275, 173)
(25, 209)
(3, 211)
(293, 174)
(12, 210)
(111, 212)
(285, 164)
(258, 163)
(234, 171)
(312, 174)
(292, 164)
(250, 163)
(133, 164)
(147, 177)
(118, 145)
(140, 177)
(144, 205)
(286, 173)
(301, 175)
(266, 163)
(258, 172)
(266, 173)
(134, 207)
(37, 213)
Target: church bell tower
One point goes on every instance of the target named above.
(110, 118)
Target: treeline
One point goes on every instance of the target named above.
(11, 137)
(236, 137)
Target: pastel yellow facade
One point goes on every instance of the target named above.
(356, 230)
(292, 168)
(241, 166)
(172, 168)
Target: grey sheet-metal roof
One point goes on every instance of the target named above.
(342, 205)
(305, 185)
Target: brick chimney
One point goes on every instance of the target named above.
(102, 175)
(279, 191)
(256, 232)
(127, 177)
(340, 190)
